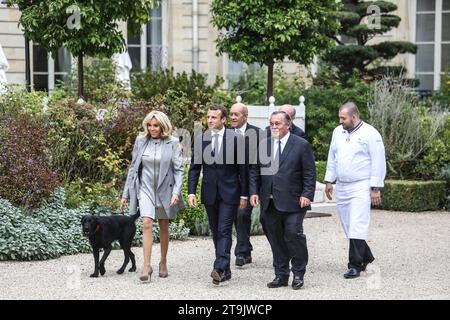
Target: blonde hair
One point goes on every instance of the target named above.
(163, 121)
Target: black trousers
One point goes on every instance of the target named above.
(221, 217)
(284, 230)
(243, 225)
(359, 254)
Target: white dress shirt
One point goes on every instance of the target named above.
(283, 144)
(242, 129)
(220, 134)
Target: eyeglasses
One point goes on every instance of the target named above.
(276, 124)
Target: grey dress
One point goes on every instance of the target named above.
(149, 201)
(170, 176)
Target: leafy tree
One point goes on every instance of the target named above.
(84, 27)
(362, 21)
(266, 31)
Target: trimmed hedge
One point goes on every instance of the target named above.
(321, 169)
(410, 195)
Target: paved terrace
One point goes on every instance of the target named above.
(412, 262)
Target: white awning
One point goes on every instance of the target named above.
(4, 66)
(123, 67)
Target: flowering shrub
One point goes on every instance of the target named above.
(100, 84)
(17, 100)
(77, 140)
(186, 96)
(25, 176)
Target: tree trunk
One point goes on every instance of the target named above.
(80, 76)
(269, 81)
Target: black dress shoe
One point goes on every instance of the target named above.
(220, 276)
(297, 283)
(241, 260)
(278, 282)
(351, 273)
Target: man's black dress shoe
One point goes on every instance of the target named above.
(278, 282)
(351, 273)
(220, 276)
(297, 283)
(240, 260)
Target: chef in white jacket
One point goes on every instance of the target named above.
(356, 161)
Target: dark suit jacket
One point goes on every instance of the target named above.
(298, 131)
(228, 180)
(294, 130)
(296, 177)
(252, 140)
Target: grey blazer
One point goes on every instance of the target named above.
(170, 175)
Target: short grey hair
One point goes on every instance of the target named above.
(287, 118)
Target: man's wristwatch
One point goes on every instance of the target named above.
(374, 189)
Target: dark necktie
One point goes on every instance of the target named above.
(278, 156)
(276, 164)
(215, 144)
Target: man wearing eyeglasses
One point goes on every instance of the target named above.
(285, 186)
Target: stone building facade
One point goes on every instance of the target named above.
(181, 36)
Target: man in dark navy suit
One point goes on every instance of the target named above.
(290, 110)
(285, 187)
(238, 117)
(220, 153)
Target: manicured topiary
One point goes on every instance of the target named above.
(409, 195)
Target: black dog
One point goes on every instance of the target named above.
(102, 231)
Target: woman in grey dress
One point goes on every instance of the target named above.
(154, 183)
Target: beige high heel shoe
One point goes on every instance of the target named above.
(146, 278)
(164, 274)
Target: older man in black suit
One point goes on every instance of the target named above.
(285, 187)
(238, 117)
(220, 152)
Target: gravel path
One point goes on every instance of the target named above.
(412, 254)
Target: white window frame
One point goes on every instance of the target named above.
(226, 68)
(437, 41)
(50, 70)
(143, 45)
(225, 65)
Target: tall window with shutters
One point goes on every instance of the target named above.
(432, 37)
(48, 71)
(147, 49)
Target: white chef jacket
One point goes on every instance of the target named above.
(356, 156)
(356, 160)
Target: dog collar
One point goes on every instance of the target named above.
(96, 229)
